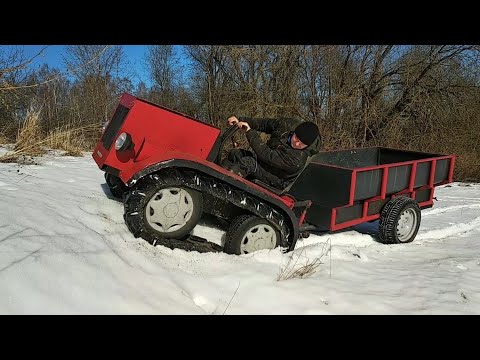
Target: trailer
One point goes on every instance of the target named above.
(349, 187)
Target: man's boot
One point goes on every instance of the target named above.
(237, 170)
(226, 164)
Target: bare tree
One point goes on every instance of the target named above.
(85, 61)
(16, 76)
(413, 97)
(95, 68)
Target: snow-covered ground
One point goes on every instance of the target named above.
(65, 249)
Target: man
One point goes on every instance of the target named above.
(282, 158)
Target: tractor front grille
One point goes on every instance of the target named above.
(114, 126)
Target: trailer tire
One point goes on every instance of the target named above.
(115, 185)
(399, 221)
(248, 233)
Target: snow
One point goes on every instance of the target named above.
(65, 249)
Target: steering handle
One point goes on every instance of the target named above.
(231, 130)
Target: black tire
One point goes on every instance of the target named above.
(138, 208)
(116, 185)
(390, 231)
(236, 240)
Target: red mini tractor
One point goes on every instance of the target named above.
(165, 166)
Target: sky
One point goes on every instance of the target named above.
(65, 249)
(52, 55)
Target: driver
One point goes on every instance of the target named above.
(282, 158)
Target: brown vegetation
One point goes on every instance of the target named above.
(421, 97)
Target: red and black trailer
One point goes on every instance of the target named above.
(349, 187)
(165, 166)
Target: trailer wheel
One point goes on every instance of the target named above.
(249, 233)
(116, 186)
(399, 221)
(172, 211)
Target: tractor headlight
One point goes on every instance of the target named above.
(123, 142)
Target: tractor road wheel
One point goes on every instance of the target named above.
(249, 233)
(399, 221)
(160, 207)
(116, 186)
(171, 212)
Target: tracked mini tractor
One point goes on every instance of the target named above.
(165, 166)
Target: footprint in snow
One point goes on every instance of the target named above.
(205, 304)
(460, 266)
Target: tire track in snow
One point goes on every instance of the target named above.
(449, 208)
(453, 230)
(456, 198)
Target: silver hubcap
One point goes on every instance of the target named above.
(406, 225)
(169, 209)
(258, 237)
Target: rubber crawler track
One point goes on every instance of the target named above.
(206, 184)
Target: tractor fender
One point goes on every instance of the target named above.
(240, 183)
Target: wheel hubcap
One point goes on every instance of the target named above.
(259, 237)
(169, 209)
(406, 225)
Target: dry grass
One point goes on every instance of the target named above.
(71, 140)
(32, 142)
(467, 167)
(307, 266)
(29, 135)
(224, 311)
(3, 139)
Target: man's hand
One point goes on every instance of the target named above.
(243, 125)
(232, 120)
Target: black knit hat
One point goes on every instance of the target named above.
(307, 132)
